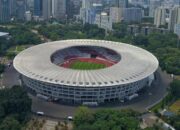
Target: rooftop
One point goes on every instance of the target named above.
(135, 64)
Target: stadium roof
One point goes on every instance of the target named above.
(135, 64)
(3, 34)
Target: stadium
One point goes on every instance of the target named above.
(85, 71)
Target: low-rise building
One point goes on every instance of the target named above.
(145, 30)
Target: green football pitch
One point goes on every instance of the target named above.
(86, 65)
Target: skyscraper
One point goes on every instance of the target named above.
(86, 4)
(58, 9)
(20, 9)
(174, 17)
(5, 10)
(47, 9)
(153, 4)
(30, 4)
(123, 3)
(161, 15)
(38, 8)
(116, 14)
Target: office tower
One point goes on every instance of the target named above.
(104, 21)
(132, 15)
(69, 9)
(76, 6)
(13, 8)
(38, 6)
(174, 17)
(86, 4)
(123, 3)
(30, 4)
(116, 14)
(5, 15)
(47, 9)
(161, 15)
(20, 9)
(177, 29)
(59, 9)
(152, 7)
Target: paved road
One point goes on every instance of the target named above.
(148, 97)
(10, 77)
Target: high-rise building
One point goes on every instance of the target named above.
(12, 9)
(152, 7)
(177, 29)
(104, 21)
(161, 16)
(132, 15)
(38, 6)
(116, 14)
(30, 4)
(20, 9)
(76, 6)
(47, 9)
(72, 8)
(174, 17)
(86, 4)
(123, 3)
(5, 14)
(59, 9)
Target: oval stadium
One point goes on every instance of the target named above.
(85, 71)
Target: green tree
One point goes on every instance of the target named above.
(15, 102)
(106, 119)
(141, 40)
(175, 88)
(83, 114)
(10, 123)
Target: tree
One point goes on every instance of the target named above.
(83, 114)
(120, 30)
(140, 40)
(106, 119)
(175, 88)
(10, 123)
(16, 102)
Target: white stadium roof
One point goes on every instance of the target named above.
(135, 64)
(3, 34)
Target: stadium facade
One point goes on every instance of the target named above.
(46, 70)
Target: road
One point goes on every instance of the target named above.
(148, 97)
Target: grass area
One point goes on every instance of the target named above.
(18, 48)
(175, 107)
(14, 50)
(86, 65)
(177, 77)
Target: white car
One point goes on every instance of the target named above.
(40, 113)
(70, 118)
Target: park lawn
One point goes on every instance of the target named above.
(175, 107)
(20, 48)
(86, 65)
(17, 49)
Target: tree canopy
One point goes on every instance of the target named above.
(15, 108)
(175, 88)
(106, 119)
